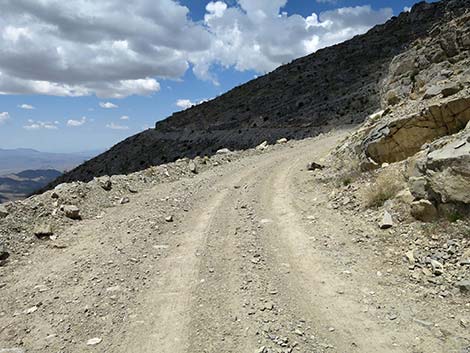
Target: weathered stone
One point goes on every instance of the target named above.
(387, 221)
(169, 219)
(423, 210)
(223, 151)
(72, 212)
(192, 167)
(402, 137)
(4, 254)
(281, 141)
(437, 268)
(464, 286)
(105, 182)
(94, 341)
(3, 211)
(124, 200)
(314, 166)
(262, 146)
(451, 89)
(43, 230)
(432, 92)
(418, 186)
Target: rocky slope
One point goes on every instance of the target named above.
(336, 85)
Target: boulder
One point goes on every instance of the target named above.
(71, 211)
(423, 210)
(451, 89)
(432, 92)
(281, 141)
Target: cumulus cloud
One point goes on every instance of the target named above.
(4, 116)
(26, 106)
(118, 48)
(187, 103)
(108, 105)
(37, 125)
(115, 126)
(76, 123)
(184, 103)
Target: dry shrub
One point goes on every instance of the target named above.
(387, 185)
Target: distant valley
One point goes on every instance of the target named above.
(20, 185)
(24, 171)
(17, 160)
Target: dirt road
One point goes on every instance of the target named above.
(254, 261)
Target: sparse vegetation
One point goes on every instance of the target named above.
(385, 187)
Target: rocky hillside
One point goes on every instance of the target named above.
(337, 85)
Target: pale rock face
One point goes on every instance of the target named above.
(403, 137)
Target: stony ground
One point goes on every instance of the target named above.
(253, 254)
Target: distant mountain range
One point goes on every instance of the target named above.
(20, 159)
(19, 185)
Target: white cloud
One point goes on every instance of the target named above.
(124, 117)
(76, 123)
(37, 125)
(26, 106)
(184, 103)
(407, 9)
(4, 116)
(81, 47)
(115, 126)
(108, 105)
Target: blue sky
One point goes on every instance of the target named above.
(70, 84)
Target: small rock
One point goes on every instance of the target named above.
(3, 211)
(54, 195)
(464, 323)
(169, 219)
(262, 146)
(223, 151)
(124, 200)
(94, 341)
(192, 167)
(410, 257)
(105, 183)
(387, 221)
(4, 254)
(314, 166)
(31, 310)
(43, 230)
(281, 141)
(437, 267)
(71, 211)
(423, 210)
